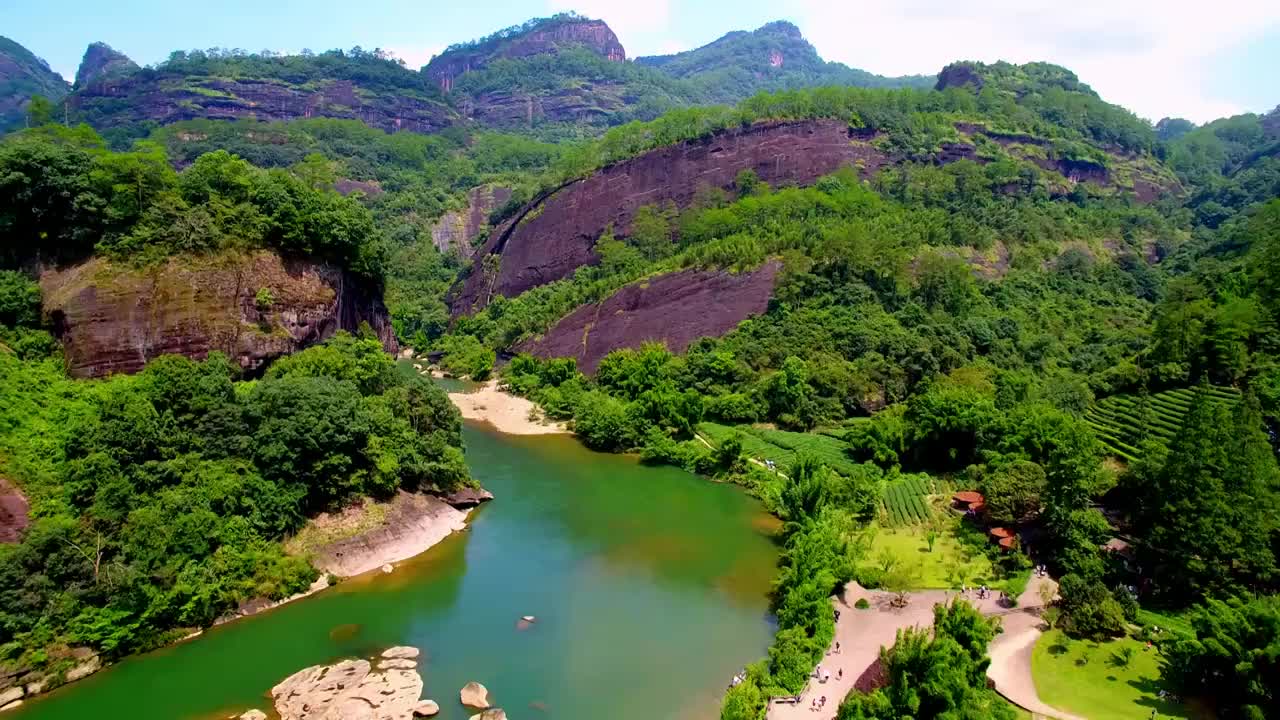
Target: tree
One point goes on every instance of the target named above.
(40, 111)
(1089, 610)
(1231, 657)
(938, 675)
(1012, 490)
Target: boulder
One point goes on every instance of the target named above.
(426, 708)
(397, 664)
(401, 652)
(387, 568)
(84, 669)
(253, 715)
(16, 693)
(475, 695)
(494, 714)
(11, 706)
(348, 690)
(468, 497)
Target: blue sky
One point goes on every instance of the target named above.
(1156, 57)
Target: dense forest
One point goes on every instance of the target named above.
(1099, 365)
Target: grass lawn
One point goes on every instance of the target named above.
(938, 569)
(1090, 680)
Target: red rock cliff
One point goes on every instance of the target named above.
(113, 318)
(557, 234)
(676, 309)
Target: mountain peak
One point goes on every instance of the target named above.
(781, 27)
(101, 61)
(535, 37)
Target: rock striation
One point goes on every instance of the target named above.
(349, 690)
(455, 230)
(113, 317)
(556, 234)
(675, 309)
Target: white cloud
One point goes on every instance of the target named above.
(1151, 56)
(416, 57)
(625, 17)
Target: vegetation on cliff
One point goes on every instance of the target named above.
(24, 76)
(159, 500)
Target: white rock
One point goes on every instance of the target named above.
(475, 695)
(16, 693)
(494, 714)
(11, 706)
(253, 715)
(84, 669)
(426, 708)
(387, 568)
(397, 664)
(401, 651)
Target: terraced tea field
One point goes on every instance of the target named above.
(906, 499)
(1121, 422)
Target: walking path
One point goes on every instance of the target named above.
(861, 634)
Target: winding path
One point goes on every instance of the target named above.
(861, 633)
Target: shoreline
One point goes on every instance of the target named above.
(405, 527)
(507, 413)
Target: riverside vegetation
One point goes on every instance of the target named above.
(979, 321)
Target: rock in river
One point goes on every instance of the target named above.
(475, 695)
(401, 652)
(494, 714)
(348, 690)
(253, 715)
(426, 708)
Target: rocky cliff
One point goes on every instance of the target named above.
(22, 75)
(556, 234)
(675, 309)
(534, 38)
(454, 231)
(100, 63)
(113, 318)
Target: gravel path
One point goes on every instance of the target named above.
(861, 633)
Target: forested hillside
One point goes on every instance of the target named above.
(22, 77)
(993, 280)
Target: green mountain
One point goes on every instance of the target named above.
(773, 57)
(22, 75)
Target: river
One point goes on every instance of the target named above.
(648, 584)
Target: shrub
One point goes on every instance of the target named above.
(862, 604)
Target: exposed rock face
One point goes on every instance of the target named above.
(959, 74)
(588, 101)
(348, 690)
(426, 708)
(456, 228)
(468, 497)
(541, 39)
(14, 510)
(164, 98)
(413, 523)
(113, 318)
(474, 695)
(100, 63)
(556, 234)
(676, 309)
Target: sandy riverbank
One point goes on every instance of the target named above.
(507, 413)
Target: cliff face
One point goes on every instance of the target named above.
(455, 229)
(557, 234)
(676, 309)
(162, 98)
(113, 318)
(101, 62)
(545, 38)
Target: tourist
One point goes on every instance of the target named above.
(823, 702)
(837, 647)
(839, 673)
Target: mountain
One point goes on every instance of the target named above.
(124, 101)
(773, 57)
(100, 63)
(22, 75)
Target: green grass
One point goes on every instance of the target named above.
(1165, 621)
(1087, 679)
(909, 546)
